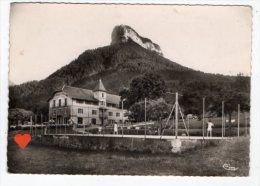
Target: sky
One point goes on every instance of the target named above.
(46, 36)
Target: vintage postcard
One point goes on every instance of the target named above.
(130, 90)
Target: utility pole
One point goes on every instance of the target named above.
(176, 115)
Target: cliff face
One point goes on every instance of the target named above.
(124, 33)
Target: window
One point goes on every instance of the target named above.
(54, 103)
(110, 113)
(117, 114)
(93, 121)
(103, 95)
(54, 112)
(94, 112)
(59, 102)
(80, 111)
(65, 120)
(101, 102)
(65, 102)
(80, 120)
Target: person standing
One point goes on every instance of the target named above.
(45, 130)
(209, 130)
(99, 130)
(115, 128)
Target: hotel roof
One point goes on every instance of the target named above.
(79, 93)
(88, 95)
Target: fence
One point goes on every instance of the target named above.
(194, 127)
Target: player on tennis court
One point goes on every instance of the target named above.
(209, 130)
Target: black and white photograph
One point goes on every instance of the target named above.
(129, 89)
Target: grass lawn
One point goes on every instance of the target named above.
(202, 162)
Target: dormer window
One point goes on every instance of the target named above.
(80, 111)
(103, 95)
(59, 102)
(54, 103)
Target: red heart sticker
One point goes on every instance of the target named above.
(22, 140)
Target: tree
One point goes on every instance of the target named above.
(137, 111)
(195, 92)
(149, 86)
(232, 93)
(158, 110)
(241, 83)
(155, 110)
(19, 115)
(231, 99)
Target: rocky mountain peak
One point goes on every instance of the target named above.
(124, 33)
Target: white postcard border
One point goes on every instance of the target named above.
(66, 180)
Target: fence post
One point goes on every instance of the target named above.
(238, 118)
(245, 124)
(41, 123)
(145, 116)
(223, 119)
(203, 117)
(31, 125)
(188, 125)
(176, 115)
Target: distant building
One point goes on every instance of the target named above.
(85, 107)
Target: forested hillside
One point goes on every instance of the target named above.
(117, 65)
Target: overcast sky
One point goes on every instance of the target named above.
(45, 37)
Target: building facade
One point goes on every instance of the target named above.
(86, 107)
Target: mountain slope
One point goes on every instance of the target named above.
(125, 57)
(116, 64)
